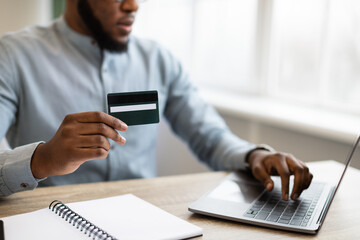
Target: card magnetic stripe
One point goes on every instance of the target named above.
(134, 97)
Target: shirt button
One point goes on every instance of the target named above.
(24, 185)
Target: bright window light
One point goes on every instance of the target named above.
(304, 52)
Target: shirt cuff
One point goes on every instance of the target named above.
(16, 174)
(231, 153)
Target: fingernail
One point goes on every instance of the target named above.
(268, 186)
(286, 196)
(295, 196)
(124, 126)
(123, 140)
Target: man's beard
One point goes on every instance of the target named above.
(103, 39)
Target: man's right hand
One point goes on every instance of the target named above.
(80, 137)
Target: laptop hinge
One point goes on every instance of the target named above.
(326, 206)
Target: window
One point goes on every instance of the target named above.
(302, 51)
(215, 39)
(315, 52)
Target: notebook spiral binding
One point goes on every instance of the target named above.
(79, 222)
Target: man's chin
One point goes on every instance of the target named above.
(115, 45)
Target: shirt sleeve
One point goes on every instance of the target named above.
(198, 124)
(15, 172)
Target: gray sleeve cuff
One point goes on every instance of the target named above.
(15, 172)
(230, 153)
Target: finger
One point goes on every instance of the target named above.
(102, 129)
(100, 117)
(86, 154)
(283, 170)
(93, 141)
(307, 176)
(298, 171)
(259, 172)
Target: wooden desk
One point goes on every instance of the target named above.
(175, 193)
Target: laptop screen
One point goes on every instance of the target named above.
(347, 163)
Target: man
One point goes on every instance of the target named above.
(53, 86)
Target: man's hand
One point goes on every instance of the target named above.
(264, 163)
(80, 137)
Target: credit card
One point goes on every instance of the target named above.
(134, 108)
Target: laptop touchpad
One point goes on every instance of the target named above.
(237, 191)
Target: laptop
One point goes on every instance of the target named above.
(240, 197)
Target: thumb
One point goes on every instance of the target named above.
(260, 174)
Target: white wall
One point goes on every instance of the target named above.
(16, 14)
(174, 157)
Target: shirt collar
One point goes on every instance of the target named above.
(82, 42)
(86, 44)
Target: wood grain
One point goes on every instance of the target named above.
(175, 193)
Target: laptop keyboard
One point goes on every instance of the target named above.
(270, 207)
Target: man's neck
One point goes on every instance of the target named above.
(74, 20)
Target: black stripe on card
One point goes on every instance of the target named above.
(132, 97)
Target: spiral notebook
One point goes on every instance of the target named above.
(120, 217)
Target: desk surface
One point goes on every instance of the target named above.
(175, 193)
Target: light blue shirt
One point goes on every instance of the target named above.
(49, 72)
